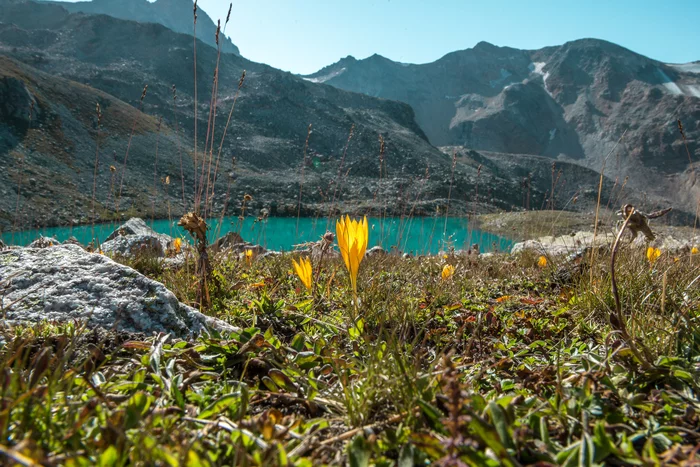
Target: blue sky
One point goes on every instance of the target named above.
(302, 36)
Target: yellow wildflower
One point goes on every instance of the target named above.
(542, 262)
(447, 271)
(694, 251)
(352, 241)
(177, 245)
(248, 256)
(653, 254)
(303, 270)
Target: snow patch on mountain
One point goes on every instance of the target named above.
(694, 91)
(693, 67)
(669, 84)
(538, 69)
(329, 76)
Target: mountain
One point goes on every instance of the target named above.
(569, 103)
(110, 60)
(50, 54)
(48, 136)
(173, 14)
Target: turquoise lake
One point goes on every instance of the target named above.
(417, 235)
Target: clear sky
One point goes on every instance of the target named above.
(303, 36)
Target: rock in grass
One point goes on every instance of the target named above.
(227, 242)
(66, 283)
(136, 239)
(44, 242)
(564, 244)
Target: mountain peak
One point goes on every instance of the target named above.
(173, 14)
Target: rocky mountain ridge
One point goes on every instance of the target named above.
(572, 102)
(173, 14)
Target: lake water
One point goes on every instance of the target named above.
(418, 235)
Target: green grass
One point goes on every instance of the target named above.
(497, 366)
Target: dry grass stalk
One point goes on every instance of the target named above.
(223, 136)
(338, 177)
(179, 149)
(197, 227)
(128, 146)
(449, 193)
(19, 177)
(301, 184)
(597, 207)
(98, 113)
(618, 321)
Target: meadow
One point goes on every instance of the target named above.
(445, 360)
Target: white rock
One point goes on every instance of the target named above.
(65, 283)
(135, 238)
(563, 245)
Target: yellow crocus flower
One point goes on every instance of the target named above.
(542, 262)
(303, 270)
(352, 237)
(694, 251)
(248, 256)
(447, 271)
(653, 254)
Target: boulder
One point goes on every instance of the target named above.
(44, 242)
(675, 246)
(132, 246)
(227, 241)
(72, 241)
(376, 251)
(66, 283)
(565, 244)
(135, 238)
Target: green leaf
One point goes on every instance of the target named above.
(359, 452)
(157, 353)
(281, 379)
(108, 458)
(433, 414)
(224, 403)
(500, 422)
(136, 408)
(298, 342)
(490, 437)
(407, 456)
(603, 446)
(587, 451)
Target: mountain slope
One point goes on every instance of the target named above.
(173, 14)
(266, 138)
(571, 102)
(48, 133)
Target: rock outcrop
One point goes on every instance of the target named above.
(564, 244)
(65, 283)
(135, 238)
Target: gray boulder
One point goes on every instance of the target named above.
(66, 283)
(376, 251)
(135, 238)
(564, 244)
(227, 242)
